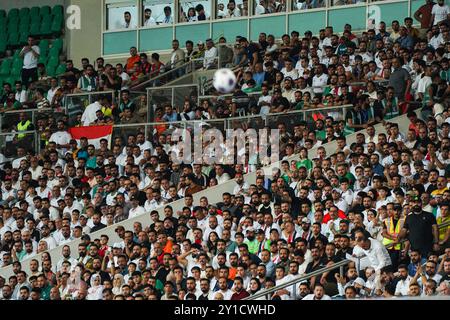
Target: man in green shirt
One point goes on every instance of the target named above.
(320, 131)
(251, 241)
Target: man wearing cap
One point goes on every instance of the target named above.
(136, 209)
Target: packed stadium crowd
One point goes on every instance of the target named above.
(381, 202)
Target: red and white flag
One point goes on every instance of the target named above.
(93, 133)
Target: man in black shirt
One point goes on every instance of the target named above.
(316, 264)
(423, 229)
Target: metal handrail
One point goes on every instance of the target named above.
(184, 66)
(240, 118)
(340, 264)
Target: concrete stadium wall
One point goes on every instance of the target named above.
(213, 194)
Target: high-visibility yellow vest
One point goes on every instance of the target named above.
(22, 127)
(393, 231)
(107, 112)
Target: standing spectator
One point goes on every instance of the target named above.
(424, 16)
(30, 54)
(400, 80)
(421, 229)
(440, 12)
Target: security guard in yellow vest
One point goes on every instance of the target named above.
(23, 125)
(391, 229)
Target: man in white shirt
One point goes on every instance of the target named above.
(210, 54)
(289, 71)
(61, 138)
(376, 253)
(89, 113)
(136, 209)
(320, 79)
(260, 8)
(319, 294)
(128, 24)
(30, 54)
(440, 12)
(148, 19)
(402, 286)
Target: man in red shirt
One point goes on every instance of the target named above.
(423, 15)
(238, 291)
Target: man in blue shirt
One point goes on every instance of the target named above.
(405, 40)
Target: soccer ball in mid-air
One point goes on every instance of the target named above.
(224, 80)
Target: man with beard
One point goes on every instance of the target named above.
(423, 229)
(303, 290)
(206, 294)
(266, 205)
(238, 290)
(404, 280)
(97, 267)
(316, 264)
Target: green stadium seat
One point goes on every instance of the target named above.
(23, 38)
(3, 23)
(42, 58)
(2, 46)
(45, 11)
(35, 19)
(50, 70)
(35, 29)
(24, 28)
(25, 20)
(54, 52)
(9, 80)
(2, 13)
(5, 68)
(57, 24)
(13, 13)
(47, 19)
(16, 54)
(13, 25)
(17, 62)
(35, 11)
(43, 46)
(60, 69)
(15, 71)
(52, 61)
(45, 29)
(58, 43)
(58, 11)
(24, 12)
(13, 39)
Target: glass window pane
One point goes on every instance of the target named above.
(309, 4)
(161, 12)
(121, 15)
(192, 11)
(231, 8)
(345, 2)
(269, 6)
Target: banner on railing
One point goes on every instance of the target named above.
(93, 133)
